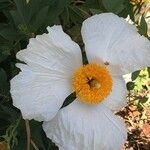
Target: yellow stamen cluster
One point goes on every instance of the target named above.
(92, 83)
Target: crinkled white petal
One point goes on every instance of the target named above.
(127, 77)
(86, 127)
(109, 38)
(52, 52)
(44, 82)
(117, 98)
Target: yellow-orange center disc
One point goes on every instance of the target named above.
(92, 83)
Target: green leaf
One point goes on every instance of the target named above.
(75, 15)
(4, 4)
(9, 111)
(21, 137)
(95, 11)
(4, 52)
(56, 7)
(128, 10)
(75, 33)
(37, 14)
(92, 4)
(4, 122)
(135, 75)
(115, 6)
(130, 86)
(143, 27)
(11, 134)
(26, 15)
(4, 86)
(40, 18)
(69, 99)
(37, 134)
(65, 17)
(22, 14)
(10, 33)
(39, 137)
(148, 70)
(3, 79)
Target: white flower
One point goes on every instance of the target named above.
(54, 69)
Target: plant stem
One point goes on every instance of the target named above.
(34, 145)
(28, 134)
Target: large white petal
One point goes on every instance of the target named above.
(117, 98)
(40, 89)
(53, 52)
(86, 127)
(109, 38)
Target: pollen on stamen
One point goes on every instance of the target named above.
(92, 83)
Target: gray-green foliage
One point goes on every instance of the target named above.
(139, 88)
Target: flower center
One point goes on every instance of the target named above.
(92, 83)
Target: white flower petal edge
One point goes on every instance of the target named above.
(85, 127)
(44, 82)
(117, 98)
(109, 38)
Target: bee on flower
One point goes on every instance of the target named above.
(54, 69)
